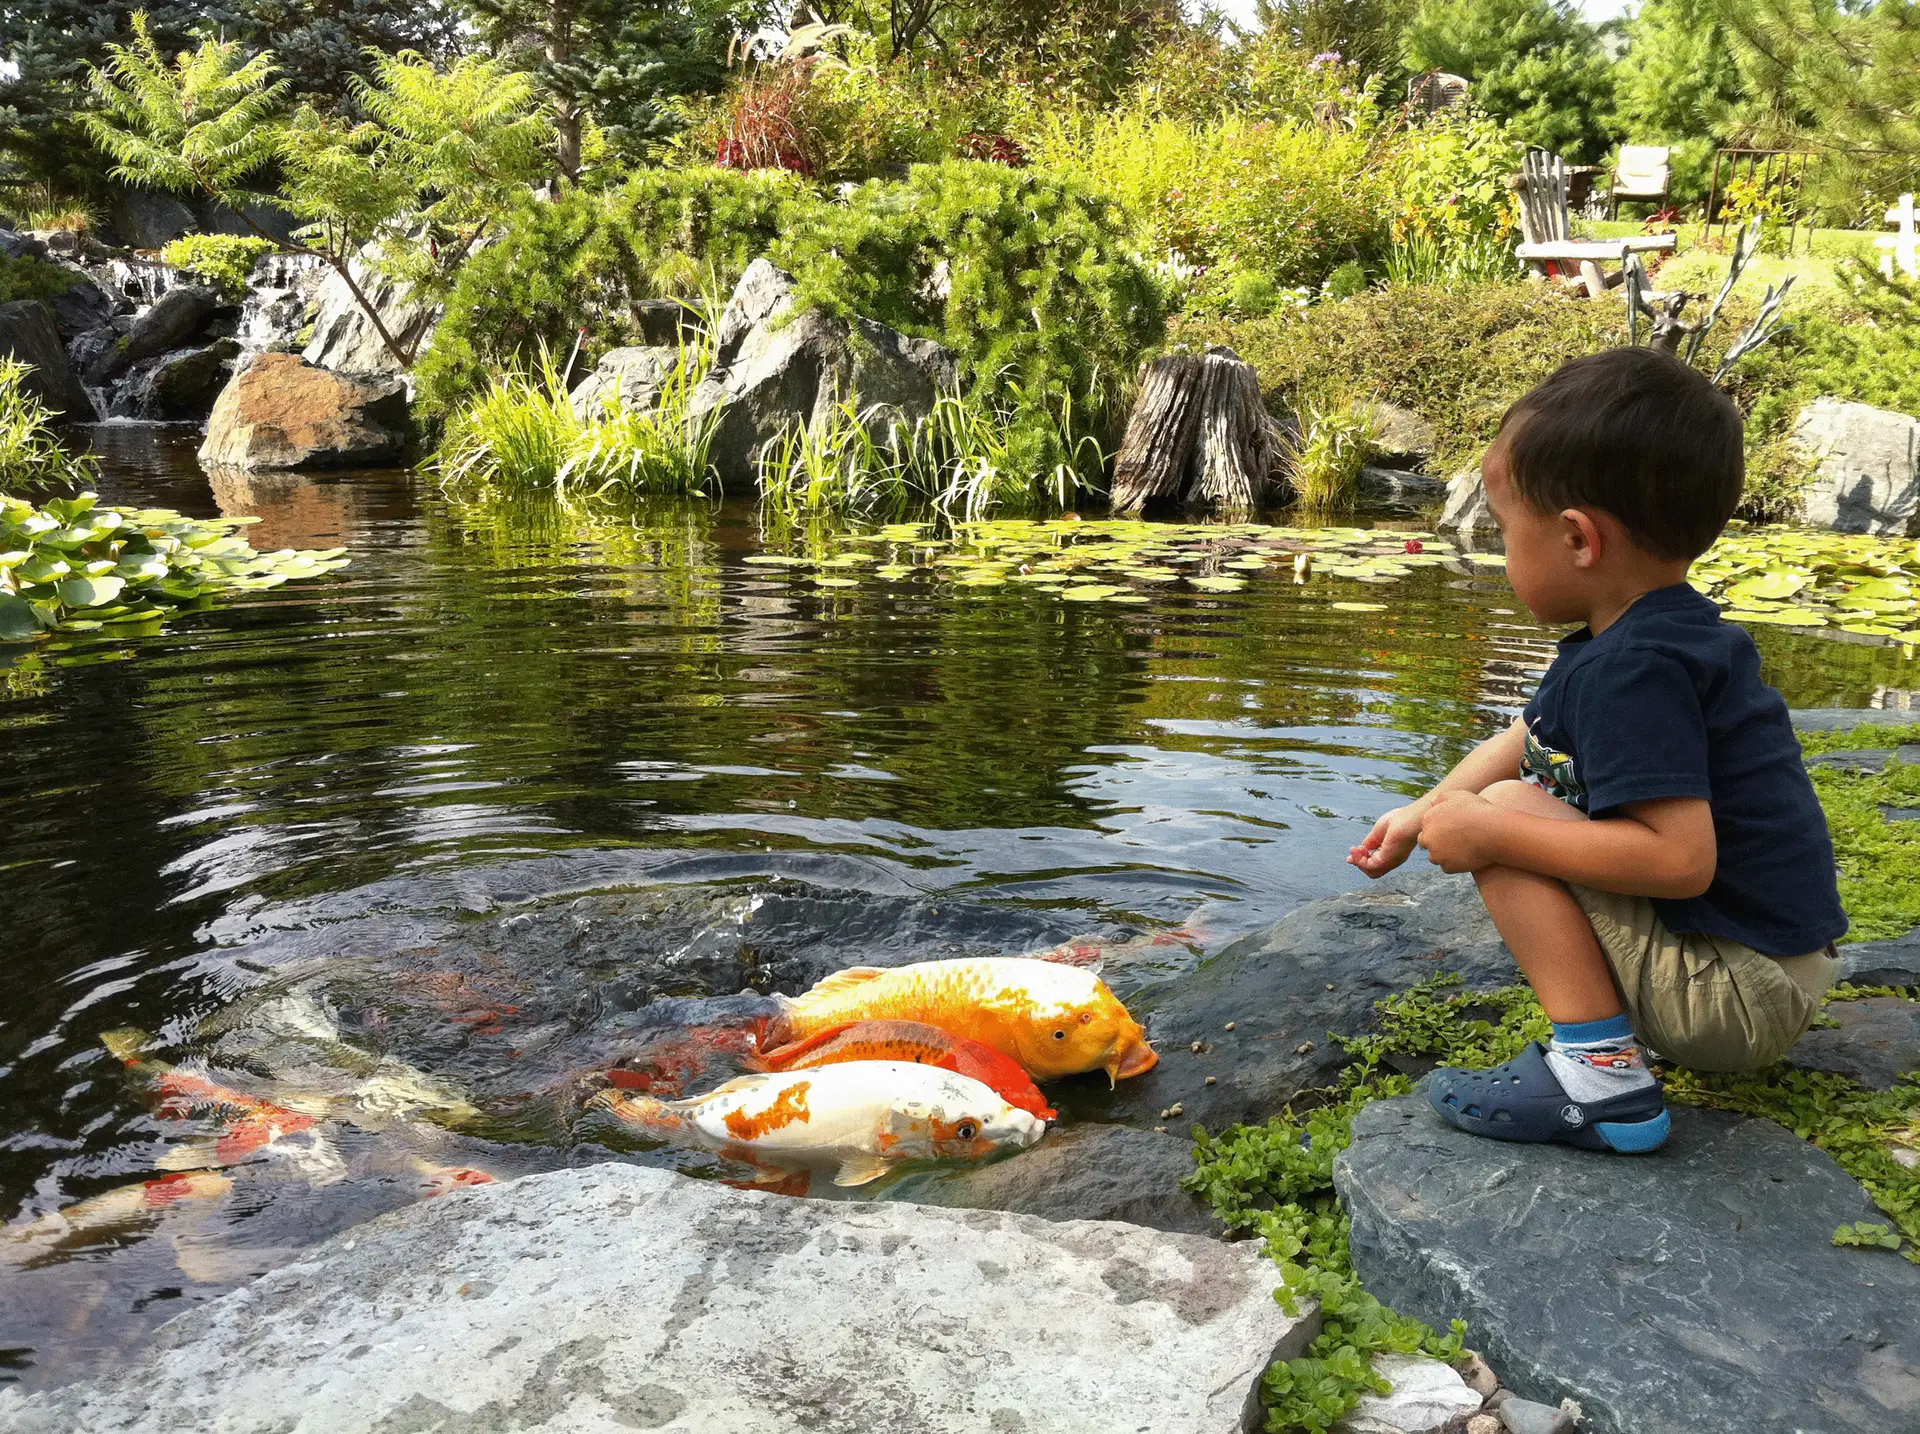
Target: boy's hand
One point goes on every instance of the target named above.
(1455, 831)
(1390, 842)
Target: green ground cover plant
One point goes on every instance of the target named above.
(31, 278)
(223, 260)
(1879, 859)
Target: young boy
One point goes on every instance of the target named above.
(1644, 836)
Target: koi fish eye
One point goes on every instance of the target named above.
(966, 1130)
(1059, 1035)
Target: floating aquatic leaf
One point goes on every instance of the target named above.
(1785, 617)
(836, 582)
(1218, 585)
(1358, 606)
(18, 621)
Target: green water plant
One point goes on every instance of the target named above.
(30, 456)
(76, 565)
(525, 433)
(1879, 859)
(1336, 440)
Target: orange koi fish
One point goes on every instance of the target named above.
(858, 1119)
(116, 1209)
(1055, 1020)
(182, 1092)
(918, 1042)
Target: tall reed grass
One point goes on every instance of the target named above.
(963, 458)
(1336, 439)
(524, 434)
(30, 456)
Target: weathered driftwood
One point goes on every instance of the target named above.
(1197, 434)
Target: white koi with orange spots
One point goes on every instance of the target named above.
(858, 1119)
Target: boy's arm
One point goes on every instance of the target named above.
(1392, 839)
(1660, 848)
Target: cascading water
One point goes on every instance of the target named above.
(279, 293)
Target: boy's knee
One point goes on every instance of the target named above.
(1516, 795)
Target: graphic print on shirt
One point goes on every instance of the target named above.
(1554, 771)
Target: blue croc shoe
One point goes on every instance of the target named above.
(1524, 1100)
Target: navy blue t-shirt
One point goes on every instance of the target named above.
(1668, 702)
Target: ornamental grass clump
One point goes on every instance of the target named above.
(1335, 443)
(30, 457)
(525, 434)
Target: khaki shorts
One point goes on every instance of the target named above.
(1703, 1001)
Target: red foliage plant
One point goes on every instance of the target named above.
(999, 148)
(761, 131)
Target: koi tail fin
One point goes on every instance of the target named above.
(641, 1113)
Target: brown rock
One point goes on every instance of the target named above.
(282, 412)
(1485, 1424)
(1480, 1379)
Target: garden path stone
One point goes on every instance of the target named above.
(776, 372)
(1867, 467)
(282, 412)
(27, 333)
(604, 1299)
(1316, 971)
(1876, 1042)
(1706, 1296)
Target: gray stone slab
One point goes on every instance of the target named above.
(613, 1298)
(1080, 1172)
(1845, 719)
(1289, 987)
(1876, 1041)
(1893, 962)
(1870, 760)
(1695, 1291)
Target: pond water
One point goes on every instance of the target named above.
(434, 832)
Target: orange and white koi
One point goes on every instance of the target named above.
(1055, 1020)
(116, 1209)
(918, 1042)
(859, 1119)
(1095, 953)
(181, 1093)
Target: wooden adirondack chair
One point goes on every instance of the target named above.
(1547, 248)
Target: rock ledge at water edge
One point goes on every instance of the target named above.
(616, 1297)
(1693, 1291)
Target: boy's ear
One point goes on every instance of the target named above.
(1584, 538)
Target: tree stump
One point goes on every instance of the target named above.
(1197, 434)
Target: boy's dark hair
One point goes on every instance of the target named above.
(1637, 433)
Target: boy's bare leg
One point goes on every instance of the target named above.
(1544, 926)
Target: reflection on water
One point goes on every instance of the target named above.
(461, 812)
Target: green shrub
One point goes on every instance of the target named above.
(1456, 213)
(1346, 281)
(1027, 277)
(1457, 354)
(1335, 442)
(582, 260)
(223, 260)
(1288, 199)
(31, 278)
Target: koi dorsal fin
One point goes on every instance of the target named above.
(782, 1057)
(840, 982)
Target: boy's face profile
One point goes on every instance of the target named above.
(1550, 556)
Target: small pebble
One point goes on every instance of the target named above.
(1212, 1081)
(1303, 1048)
(1229, 1025)
(1199, 1046)
(1484, 1424)
(1329, 985)
(1480, 1379)
(1159, 1130)
(1176, 1109)
(1523, 1416)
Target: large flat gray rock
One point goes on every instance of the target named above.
(616, 1298)
(1696, 1291)
(1875, 1041)
(1845, 719)
(1867, 467)
(1290, 987)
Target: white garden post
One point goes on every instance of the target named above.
(1904, 247)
